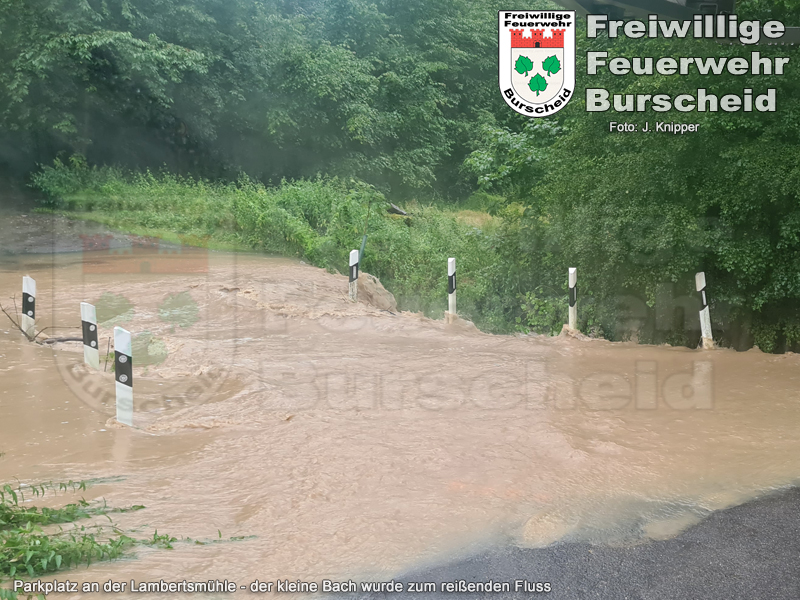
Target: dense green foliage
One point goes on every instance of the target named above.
(400, 99)
(639, 214)
(320, 220)
(391, 92)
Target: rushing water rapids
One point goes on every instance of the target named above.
(354, 441)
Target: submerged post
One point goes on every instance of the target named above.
(123, 374)
(91, 353)
(705, 315)
(354, 275)
(28, 322)
(451, 286)
(573, 298)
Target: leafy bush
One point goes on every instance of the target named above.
(320, 220)
(512, 263)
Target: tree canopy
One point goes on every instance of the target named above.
(387, 91)
(403, 96)
(637, 212)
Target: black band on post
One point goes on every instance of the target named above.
(703, 299)
(451, 283)
(28, 305)
(123, 368)
(89, 334)
(573, 295)
(353, 272)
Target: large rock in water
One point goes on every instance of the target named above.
(371, 291)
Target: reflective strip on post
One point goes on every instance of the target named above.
(354, 275)
(451, 286)
(123, 375)
(705, 313)
(91, 352)
(573, 298)
(28, 321)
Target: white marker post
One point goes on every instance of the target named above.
(91, 353)
(354, 275)
(451, 286)
(573, 298)
(28, 322)
(705, 315)
(123, 374)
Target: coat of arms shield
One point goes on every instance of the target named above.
(537, 60)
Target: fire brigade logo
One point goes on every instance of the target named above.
(537, 60)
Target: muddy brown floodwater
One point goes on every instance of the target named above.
(357, 442)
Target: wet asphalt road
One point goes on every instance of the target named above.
(747, 552)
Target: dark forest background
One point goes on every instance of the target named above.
(303, 113)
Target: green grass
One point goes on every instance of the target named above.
(35, 541)
(319, 220)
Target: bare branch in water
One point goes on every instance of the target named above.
(33, 339)
(63, 339)
(16, 323)
(57, 327)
